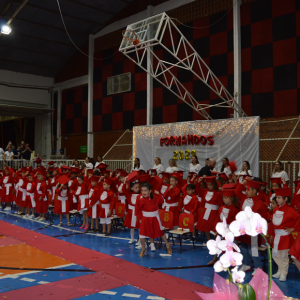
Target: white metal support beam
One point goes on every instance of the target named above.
(90, 135)
(237, 55)
(158, 28)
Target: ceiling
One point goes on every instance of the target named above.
(38, 43)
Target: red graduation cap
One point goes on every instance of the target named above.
(214, 173)
(165, 175)
(180, 173)
(31, 174)
(152, 171)
(253, 184)
(75, 169)
(63, 179)
(102, 166)
(229, 186)
(176, 175)
(132, 176)
(24, 170)
(108, 181)
(41, 172)
(296, 182)
(65, 167)
(283, 192)
(51, 163)
(143, 178)
(106, 172)
(223, 176)
(95, 178)
(89, 171)
(38, 161)
(228, 192)
(123, 173)
(51, 169)
(42, 168)
(232, 166)
(210, 179)
(264, 183)
(140, 172)
(276, 180)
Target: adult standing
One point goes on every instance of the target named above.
(137, 165)
(279, 172)
(17, 157)
(9, 145)
(225, 167)
(26, 153)
(245, 171)
(99, 161)
(194, 166)
(158, 166)
(88, 163)
(172, 166)
(9, 156)
(206, 170)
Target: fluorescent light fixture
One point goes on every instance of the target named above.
(5, 29)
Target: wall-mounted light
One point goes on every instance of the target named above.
(5, 29)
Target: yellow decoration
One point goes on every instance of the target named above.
(193, 153)
(181, 155)
(187, 154)
(175, 155)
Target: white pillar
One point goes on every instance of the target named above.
(149, 78)
(237, 54)
(90, 135)
(58, 133)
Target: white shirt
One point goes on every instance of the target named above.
(298, 173)
(1, 153)
(137, 169)
(171, 169)
(8, 155)
(158, 168)
(243, 173)
(227, 171)
(89, 165)
(195, 168)
(281, 174)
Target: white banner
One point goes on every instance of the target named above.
(237, 139)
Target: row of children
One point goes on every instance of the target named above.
(96, 194)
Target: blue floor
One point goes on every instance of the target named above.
(117, 245)
(36, 278)
(124, 292)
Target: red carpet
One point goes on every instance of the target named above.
(155, 282)
(66, 289)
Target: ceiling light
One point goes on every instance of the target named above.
(5, 29)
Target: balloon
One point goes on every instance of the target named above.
(193, 153)
(187, 154)
(181, 155)
(175, 155)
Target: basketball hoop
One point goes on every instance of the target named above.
(134, 41)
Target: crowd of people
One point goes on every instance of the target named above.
(209, 196)
(11, 153)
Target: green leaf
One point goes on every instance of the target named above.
(248, 292)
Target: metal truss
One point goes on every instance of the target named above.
(152, 32)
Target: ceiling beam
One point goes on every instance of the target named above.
(5, 9)
(92, 7)
(24, 63)
(32, 51)
(52, 27)
(64, 14)
(42, 39)
(125, 1)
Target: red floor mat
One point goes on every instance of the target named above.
(9, 242)
(66, 289)
(155, 282)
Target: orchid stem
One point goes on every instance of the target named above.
(270, 265)
(230, 277)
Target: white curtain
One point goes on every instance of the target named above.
(237, 139)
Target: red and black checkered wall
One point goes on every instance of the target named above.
(270, 46)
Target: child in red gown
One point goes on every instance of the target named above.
(94, 208)
(131, 190)
(20, 198)
(107, 201)
(30, 201)
(41, 196)
(61, 203)
(150, 224)
(172, 197)
(285, 220)
(7, 187)
(212, 200)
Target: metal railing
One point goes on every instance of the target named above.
(18, 163)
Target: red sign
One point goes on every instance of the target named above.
(189, 139)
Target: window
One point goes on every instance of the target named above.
(119, 84)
